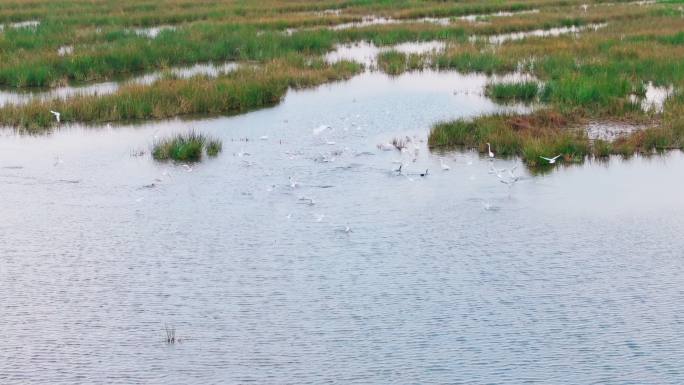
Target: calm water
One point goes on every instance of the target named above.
(573, 277)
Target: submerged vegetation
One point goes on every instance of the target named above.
(581, 73)
(186, 147)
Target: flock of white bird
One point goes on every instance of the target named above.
(407, 146)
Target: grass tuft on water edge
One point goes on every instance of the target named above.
(523, 91)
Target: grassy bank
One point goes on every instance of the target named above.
(237, 92)
(547, 133)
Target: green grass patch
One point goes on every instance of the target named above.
(523, 91)
(186, 147)
(547, 133)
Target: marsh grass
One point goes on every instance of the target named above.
(588, 75)
(547, 133)
(186, 147)
(170, 331)
(237, 92)
(523, 91)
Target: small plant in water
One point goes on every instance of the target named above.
(400, 143)
(186, 147)
(170, 334)
(214, 147)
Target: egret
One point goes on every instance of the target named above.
(551, 160)
(489, 150)
(56, 114)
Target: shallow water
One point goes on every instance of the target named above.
(367, 52)
(573, 277)
(443, 21)
(552, 32)
(21, 24)
(478, 17)
(654, 99)
(153, 32)
(23, 96)
(367, 21)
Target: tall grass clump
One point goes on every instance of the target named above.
(185, 147)
(525, 91)
(214, 147)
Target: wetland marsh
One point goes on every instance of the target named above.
(341, 192)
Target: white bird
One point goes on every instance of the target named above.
(514, 177)
(346, 229)
(320, 129)
(445, 166)
(489, 150)
(551, 160)
(509, 182)
(265, 137)
(293, 183)
(497, 171)
(585, 7)
(56, 114)
(187, 167)
(243, 153)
